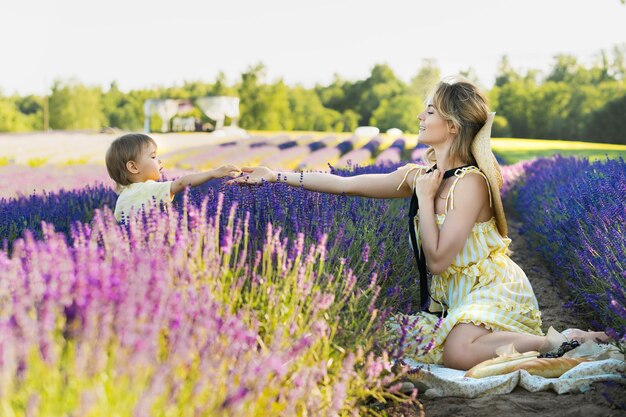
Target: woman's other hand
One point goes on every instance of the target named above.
(426, 185)
(254, 176)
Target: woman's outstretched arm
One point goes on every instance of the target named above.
(392, 185)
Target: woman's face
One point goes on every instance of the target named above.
(433, 127)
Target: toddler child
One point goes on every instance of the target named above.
(133, 164)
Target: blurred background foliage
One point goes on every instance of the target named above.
(572, 101)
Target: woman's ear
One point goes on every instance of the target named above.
(452, 128)
(131, 166)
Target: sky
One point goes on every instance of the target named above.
(147, 43)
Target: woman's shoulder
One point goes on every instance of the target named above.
(413, 165)
(470, 169)
(410, 169)
(472, 177)
(470, 188)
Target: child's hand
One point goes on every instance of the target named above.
(227, 171)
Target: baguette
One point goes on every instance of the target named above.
(549, 367)
(500, 365)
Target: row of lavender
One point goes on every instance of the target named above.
(275, 308)
(303, 152)
(574, 213)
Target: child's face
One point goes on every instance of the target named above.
(148, 164)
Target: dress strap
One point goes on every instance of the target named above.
(412, 167)
(460, 173)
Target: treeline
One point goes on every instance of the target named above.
(572, 101)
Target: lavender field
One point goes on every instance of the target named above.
(246, 301)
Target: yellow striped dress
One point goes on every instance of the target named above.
(482, 286)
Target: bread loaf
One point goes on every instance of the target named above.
(549, 367)
(500, 365)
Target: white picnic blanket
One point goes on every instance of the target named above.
(438, 381)
(606, 363)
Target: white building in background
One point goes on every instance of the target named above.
(217, 108)
(164, 108)
(184, 124)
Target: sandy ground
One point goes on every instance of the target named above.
(521, 403)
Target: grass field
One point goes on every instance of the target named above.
(514, 150)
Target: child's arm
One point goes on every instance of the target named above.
(202, 177)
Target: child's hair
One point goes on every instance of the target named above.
(123, 149)
(461, 103)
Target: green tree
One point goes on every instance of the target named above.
(565, 69)
(250, 90)
(471, 75)
(400, 112)
(380, 85)
(617, 65)
(263, 106)
(348, 121)
(276, 105)
(427, 77)
(29, 104)
(32, 107)
(608, 124)
(121, 110)
(221, 87)
(307, 110)
(334, 96)
(11, 118)
(548, 119)
(500, 127)
(74, 106)
(505, 73)
(514, 103)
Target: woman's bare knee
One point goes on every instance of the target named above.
(457, 350)
(458, 356)
(452, 356)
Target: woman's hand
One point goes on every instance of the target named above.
(426, 185)
(254, 176)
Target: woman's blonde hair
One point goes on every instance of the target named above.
(462, 104)
(123, 149)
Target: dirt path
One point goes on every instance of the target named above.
(521, 402)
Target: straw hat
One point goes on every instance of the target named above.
(486, 161)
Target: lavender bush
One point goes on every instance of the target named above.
(60, 209)
(172, 314)
(574, 212)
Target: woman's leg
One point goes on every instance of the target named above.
(582, 336)
(468, 344)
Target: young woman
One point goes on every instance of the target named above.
(460, 228)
